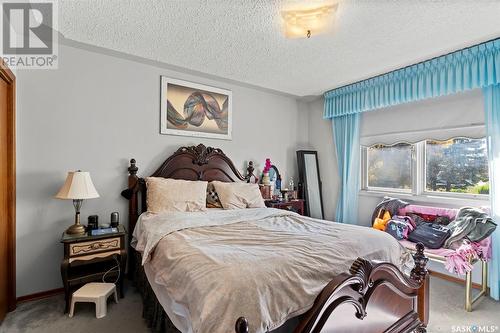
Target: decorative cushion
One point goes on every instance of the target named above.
(239, 195)
(175, 195)
(213, 200)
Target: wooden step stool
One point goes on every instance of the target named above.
(94, 292)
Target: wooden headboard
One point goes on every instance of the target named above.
(189, 163)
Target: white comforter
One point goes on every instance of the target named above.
(265, 264)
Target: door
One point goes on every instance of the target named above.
(7, 191)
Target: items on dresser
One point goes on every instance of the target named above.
(265, 190)
(77, 187)
(271, 181)
(265, 172)
(115, 219)
(275, 177)
(93, 258)
(288, 194)
(103, 231)
(295, 205)
(93, 222)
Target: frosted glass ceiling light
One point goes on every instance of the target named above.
(305, 22)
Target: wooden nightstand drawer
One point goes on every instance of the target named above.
(83, 248)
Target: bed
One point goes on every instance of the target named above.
(264, 270)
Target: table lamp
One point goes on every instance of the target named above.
(78, 186)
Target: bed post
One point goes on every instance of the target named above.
(241, 325)
(133, 203)
(419, 274)
(131, 194)
(250, 174)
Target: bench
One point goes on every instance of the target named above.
(440, 255)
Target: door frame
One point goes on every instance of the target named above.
(7, 75)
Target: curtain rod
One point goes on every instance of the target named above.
(445, 128)
(420, 62)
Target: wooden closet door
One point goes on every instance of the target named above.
(7, 191)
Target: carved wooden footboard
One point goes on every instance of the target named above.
(371, 298)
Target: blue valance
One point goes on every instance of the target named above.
(474, 67)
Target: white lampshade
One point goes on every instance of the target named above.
(78, 185)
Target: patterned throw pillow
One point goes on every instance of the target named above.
(239, 195)
(212, 197)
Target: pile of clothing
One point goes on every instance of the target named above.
(458, 238)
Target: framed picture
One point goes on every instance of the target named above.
(192, 109)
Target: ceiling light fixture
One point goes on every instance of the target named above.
(300, 23)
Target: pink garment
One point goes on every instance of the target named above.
(449, 212)
(483, 248)
(457, 261)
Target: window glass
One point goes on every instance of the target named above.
(390, 166)
(457, 165)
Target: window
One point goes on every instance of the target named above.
(458, 165)
(390, 166)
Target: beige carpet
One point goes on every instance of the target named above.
(45, 316)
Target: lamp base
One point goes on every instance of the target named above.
(76, 229)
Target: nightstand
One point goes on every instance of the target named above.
(87, 258)
(295, 205)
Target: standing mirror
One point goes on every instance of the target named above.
(310, 183)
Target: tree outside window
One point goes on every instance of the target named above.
(457, 165)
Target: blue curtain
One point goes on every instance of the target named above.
(346, 136)
(492, 122)
(474, 67)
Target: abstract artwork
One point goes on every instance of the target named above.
(193, 109)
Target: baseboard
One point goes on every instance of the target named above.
(40, 295)
(453, 279)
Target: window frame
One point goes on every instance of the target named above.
(418, 175)
(364, 168)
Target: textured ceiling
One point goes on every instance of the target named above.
(242, 39)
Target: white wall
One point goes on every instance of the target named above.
(96, 112)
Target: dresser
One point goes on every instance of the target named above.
(90, 258)
(295, 205)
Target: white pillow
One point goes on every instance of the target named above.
(175, 195)
(239, 195)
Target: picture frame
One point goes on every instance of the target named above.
(195, 110)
